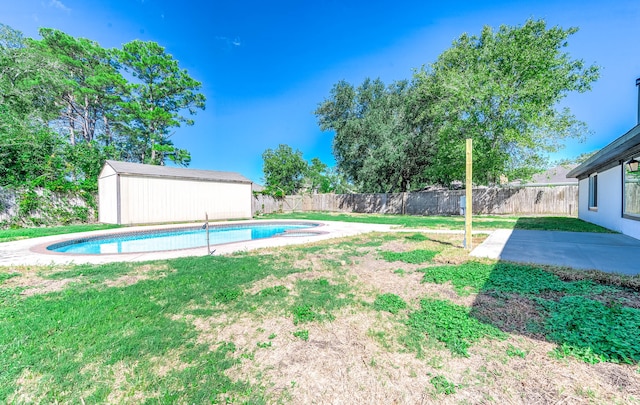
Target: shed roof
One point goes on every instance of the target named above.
(139, 169)
(623, 148)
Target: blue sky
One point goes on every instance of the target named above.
(265, 66)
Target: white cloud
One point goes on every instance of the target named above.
(228, 43)
(59, 5)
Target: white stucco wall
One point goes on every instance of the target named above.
(107, 196)
(154, 200)
(609, 213)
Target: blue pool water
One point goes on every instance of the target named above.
(174, 239)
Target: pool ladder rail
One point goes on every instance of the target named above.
(206, 226)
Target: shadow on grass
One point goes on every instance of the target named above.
(591, 315)
(587, 319)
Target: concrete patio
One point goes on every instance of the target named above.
(610, 252)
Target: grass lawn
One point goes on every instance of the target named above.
(7, 235)
(377, 318)
(452, 222)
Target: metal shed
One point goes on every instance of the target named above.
(134, 193)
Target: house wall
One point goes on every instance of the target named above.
(108, 196)
(609, 213)
(146, 200)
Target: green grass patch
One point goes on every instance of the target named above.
(275, 291)
(389, 302)
(442, 385)
(416, 237)
(412, 257)
(450, 324)
(513, 351)
(6, 276)
(93, 273)
(7, 235)
(57, 335)
(302, 334)
(452, 222)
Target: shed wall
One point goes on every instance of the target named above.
(108, 196)
(154, 200)
(609, 213)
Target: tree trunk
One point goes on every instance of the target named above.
(72, 133)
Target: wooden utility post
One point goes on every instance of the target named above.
(468, 244)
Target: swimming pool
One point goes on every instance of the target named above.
(178, 238)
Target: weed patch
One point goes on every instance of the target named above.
(302, 334)
(412, 257)
(450, 324)
(591, 330)
(318, 298)
(442, 385)
(305, 313)
(390, 303)
(472, 277)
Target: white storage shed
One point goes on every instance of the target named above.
(134, 193)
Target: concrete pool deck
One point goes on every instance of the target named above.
(29, 252)
(614, 253)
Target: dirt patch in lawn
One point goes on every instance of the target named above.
(513, 314)
(29, 389)
(33, 284)
(339, 362)
(143, 272)
(377, 276)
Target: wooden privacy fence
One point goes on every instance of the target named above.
(552, 200)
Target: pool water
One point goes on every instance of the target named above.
(174, 239)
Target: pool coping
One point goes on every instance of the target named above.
(44, 247)
(27, 252)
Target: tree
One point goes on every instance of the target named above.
(375, 144)
(501, 89)
(576, 160)
(92, 85)
(317, 180)
(65, 107)
(284, 170)
(30, 152)
(29, 80)
(156, 103)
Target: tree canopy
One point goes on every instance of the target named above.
(67, 104)
(501, 88)
(284, 170)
